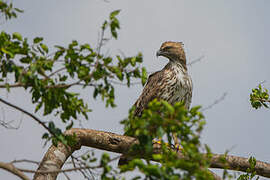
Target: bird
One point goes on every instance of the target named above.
(171, 84)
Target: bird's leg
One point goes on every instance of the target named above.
(158, 141)
(177, 145)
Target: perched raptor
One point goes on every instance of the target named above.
(171, 84)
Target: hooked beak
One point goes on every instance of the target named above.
(159, 53)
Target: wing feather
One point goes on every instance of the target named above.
(151, 91)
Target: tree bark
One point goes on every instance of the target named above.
(55, 157)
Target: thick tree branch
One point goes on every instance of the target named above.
(56, 156)
(11, 168)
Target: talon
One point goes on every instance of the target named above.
(157, 141)
(178, 147)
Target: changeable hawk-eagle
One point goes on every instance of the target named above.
(171, 84)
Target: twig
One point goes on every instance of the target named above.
(100, 44)
(262, 100)
(52, 86)
(66, 170)
(79, 164)
(57, 171)
(8, 124)
(25, 161)
(261, 83)
(11, 85)
(216, 177)
(124, 84)
(195, 61)
(66, 176)
(57, 71)
(29, 114)
(215, 102)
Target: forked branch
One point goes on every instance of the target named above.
(55, 157)
(12, 169)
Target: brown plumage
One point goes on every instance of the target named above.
(171, 84)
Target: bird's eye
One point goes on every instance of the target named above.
(167, 48)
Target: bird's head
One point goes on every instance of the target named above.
(173, 51)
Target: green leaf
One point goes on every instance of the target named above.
(44, 47)
(133, 61)
(113, 31)
(114, 13)
(7, 87)
(51, 125)
(83, 71)
(37, 40)
(45, 136)
(17, 35)
(69, 126)
(104, 26)
(169, 107)
(144, 76)
(252, 162)
(26, 60)
(139, 58)
(107, 60)
(119, 73)
(7, 52)
(38, 107)
(157, 157)
(18, 10)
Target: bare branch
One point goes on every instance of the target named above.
(53, 86)
(58, 171)
(25, 161)
(262, 100)
(80, 164)
(215, 102)
(100, 41)
(195, 61)
(124, 84)
(12, 169)
(66, 176)
(121, 144)
(29, 114)
(11, 85)
(57, 71)
(216, 177)
(65, 170)
(8, 125)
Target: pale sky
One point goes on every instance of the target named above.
(233, 37)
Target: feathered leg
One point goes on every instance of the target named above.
(177, 145)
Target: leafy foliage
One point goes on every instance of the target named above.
(160, 120)
(259, 97)
(251, 173)
(8, 11)
(50, 73)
